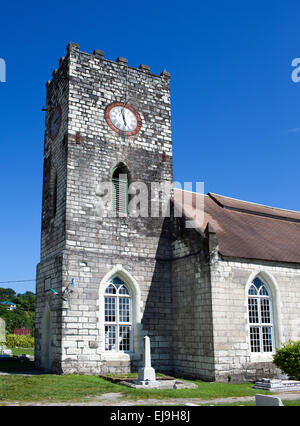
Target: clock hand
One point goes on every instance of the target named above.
(123, 115)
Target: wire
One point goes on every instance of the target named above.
(19, 281)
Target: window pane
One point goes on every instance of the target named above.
(124, 338)
(110, 338)
(124, 309)
(265, 311)
(253, 310)
(252, 290)
(110, 309)
(267, 339)
(117, 316)
(258, 283)
(260, 314)
(117, 281)
(254, 339)
(123, 290)
(263, 291)
(110, 289)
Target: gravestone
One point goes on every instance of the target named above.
(268, 401)
(278, 385)
(2, 331)
(3, 351)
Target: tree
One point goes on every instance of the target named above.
(23, 315)
(287, 359)
(6, 293)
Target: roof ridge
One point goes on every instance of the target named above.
(271, 215)
(212, 194)
(193, 192)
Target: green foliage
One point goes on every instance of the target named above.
(23, 315)
(287, 359)
(22, 351)
(6, 294)
(23, 341)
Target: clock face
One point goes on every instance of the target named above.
(122, 118)
(55, 122)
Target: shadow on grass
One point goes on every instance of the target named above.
(16, 364)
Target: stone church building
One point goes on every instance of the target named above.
(216, 299)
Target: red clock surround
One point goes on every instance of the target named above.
(122, 104)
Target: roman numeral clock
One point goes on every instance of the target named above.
(123, 119)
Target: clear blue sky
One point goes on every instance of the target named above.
(235, 108)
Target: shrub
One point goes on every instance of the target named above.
(22, 341)
(287, 359)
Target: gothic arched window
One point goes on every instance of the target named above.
(260, 311)
(118, 316)
(120, 189)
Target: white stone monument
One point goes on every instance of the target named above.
(3, 351)
(147, 379)
(2, 331)
(147, 373)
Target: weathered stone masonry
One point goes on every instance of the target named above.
(189, 287)
(83, 155)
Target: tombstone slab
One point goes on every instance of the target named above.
(268, 401)
(277, 385)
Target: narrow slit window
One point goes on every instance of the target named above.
(120, 190)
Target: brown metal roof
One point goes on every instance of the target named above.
(247, 230)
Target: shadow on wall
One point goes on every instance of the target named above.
(157, 319)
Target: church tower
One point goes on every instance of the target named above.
(104, 277)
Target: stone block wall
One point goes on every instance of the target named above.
(48, 315)
(229, 281)
(190, 301)
(210, 310)
(192, 307)
(84, 153)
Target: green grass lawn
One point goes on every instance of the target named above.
(21, 351)
(52, 388)
(59, 388)
(48, 387)
(252, 404)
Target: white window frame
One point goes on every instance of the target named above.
(137, 310)
(261, 324)
(117, 323)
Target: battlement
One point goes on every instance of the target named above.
(73, 48)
